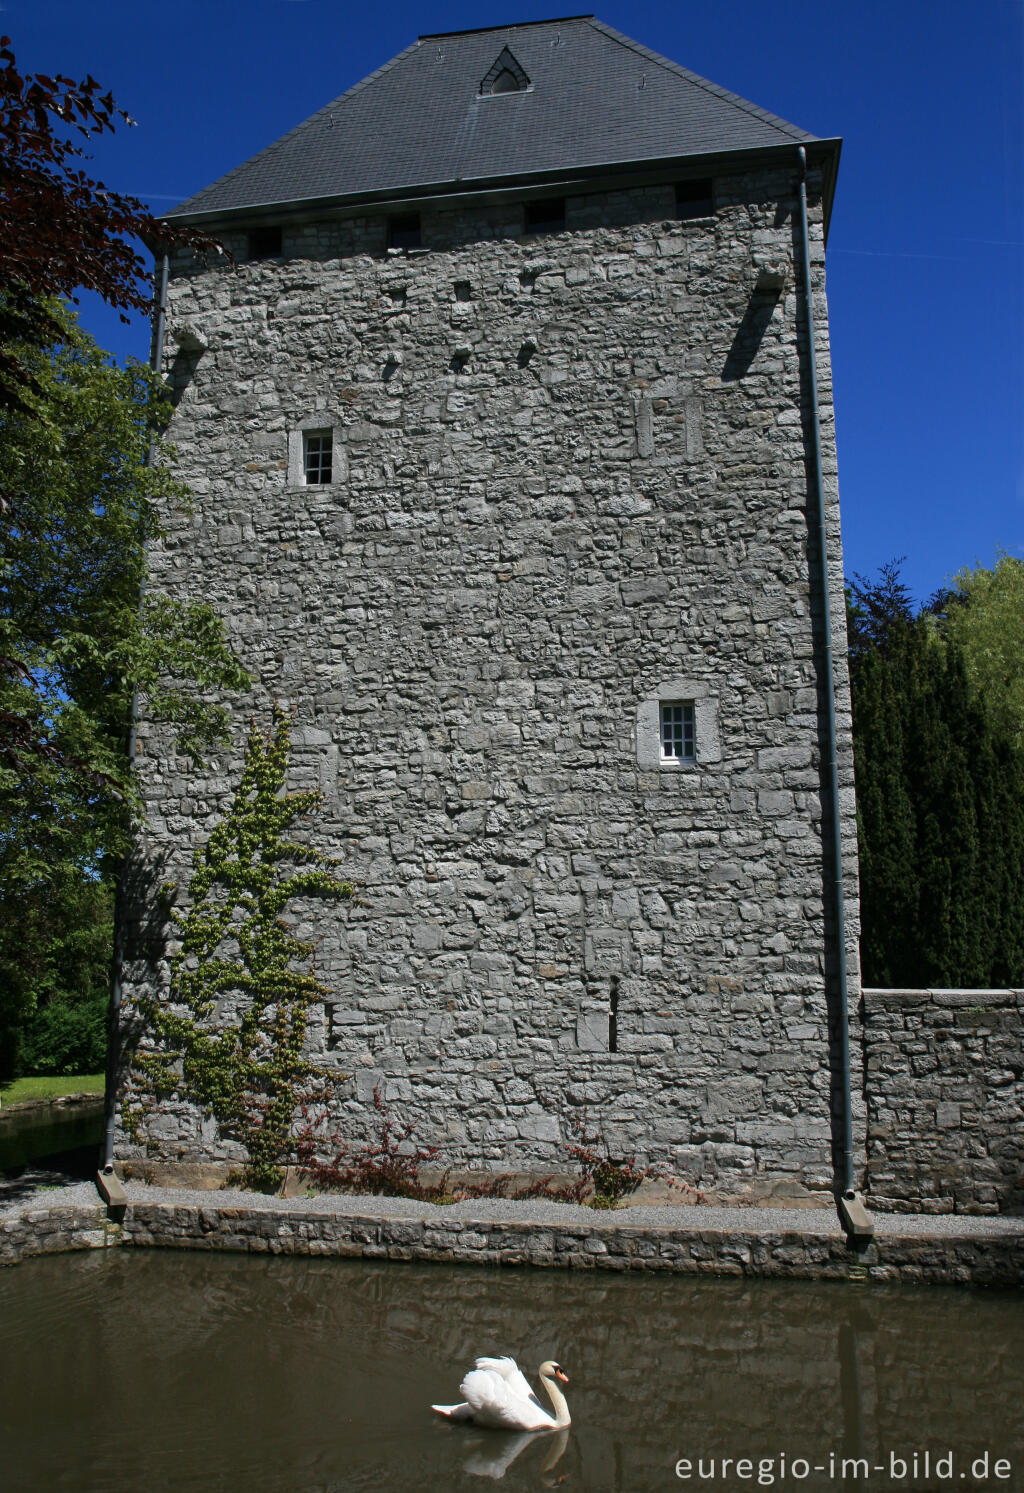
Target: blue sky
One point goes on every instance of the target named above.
(926, 254)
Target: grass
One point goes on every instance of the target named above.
(50, 1088)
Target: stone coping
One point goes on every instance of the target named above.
(978, 1001)
(693, 1241)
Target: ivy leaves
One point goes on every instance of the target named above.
(229, 1037)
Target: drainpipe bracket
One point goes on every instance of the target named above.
(855, 1218)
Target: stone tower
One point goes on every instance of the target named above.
(500, 425)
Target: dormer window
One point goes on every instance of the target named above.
(505, 76)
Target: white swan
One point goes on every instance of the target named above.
(499, 1395)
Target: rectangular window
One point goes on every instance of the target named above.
(545, 216)
(404, 232)
(264, 243)
(677, 731)
(316, 457)
(694, 199)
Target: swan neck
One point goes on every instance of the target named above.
(557, 1399)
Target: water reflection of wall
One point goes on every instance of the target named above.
(298, 1373)
(44, 1130)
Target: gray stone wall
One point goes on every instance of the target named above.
(570, 472)
(604, 1242)
(944, 1079)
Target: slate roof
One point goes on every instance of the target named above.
(595, 99)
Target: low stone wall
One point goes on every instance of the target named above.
(944, 1083)
(54, 1230)
(995, 1258)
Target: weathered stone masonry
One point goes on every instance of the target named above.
(992, 1254)
(944, 1083)
(570, 475)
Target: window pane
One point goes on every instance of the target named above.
(316, 456)
(677, 731)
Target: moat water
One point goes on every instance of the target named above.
(161, 1370)
(35, 1134)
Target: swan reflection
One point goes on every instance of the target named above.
(493, 1455)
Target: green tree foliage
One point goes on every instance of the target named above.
(76, 505)
(55, 969)
(230, 1033)
(940, 794)
(75, 642)
(875, 609)
(985, 619)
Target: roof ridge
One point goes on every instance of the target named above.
(765, 115)
(506, 26)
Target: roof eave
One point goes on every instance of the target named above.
(828, 161)
(821, 153)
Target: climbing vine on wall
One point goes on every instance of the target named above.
(229, 1034)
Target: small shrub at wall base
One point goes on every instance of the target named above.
(609, 1179)
(381, 1167)
(390, 1166)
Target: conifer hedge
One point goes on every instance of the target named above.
(940, 796)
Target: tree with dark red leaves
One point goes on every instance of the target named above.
(61, 231)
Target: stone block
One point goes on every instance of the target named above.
(592, 1031)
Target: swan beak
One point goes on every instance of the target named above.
(560, 1375)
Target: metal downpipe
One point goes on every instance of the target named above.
(839, 904)
(114, 1008)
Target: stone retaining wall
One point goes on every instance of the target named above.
(607, 1244)
(54, 1231)
(944, 1084)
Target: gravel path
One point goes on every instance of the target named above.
(807, 1221)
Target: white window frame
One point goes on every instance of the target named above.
(322, 423)
(678, 736)
(707, 747)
